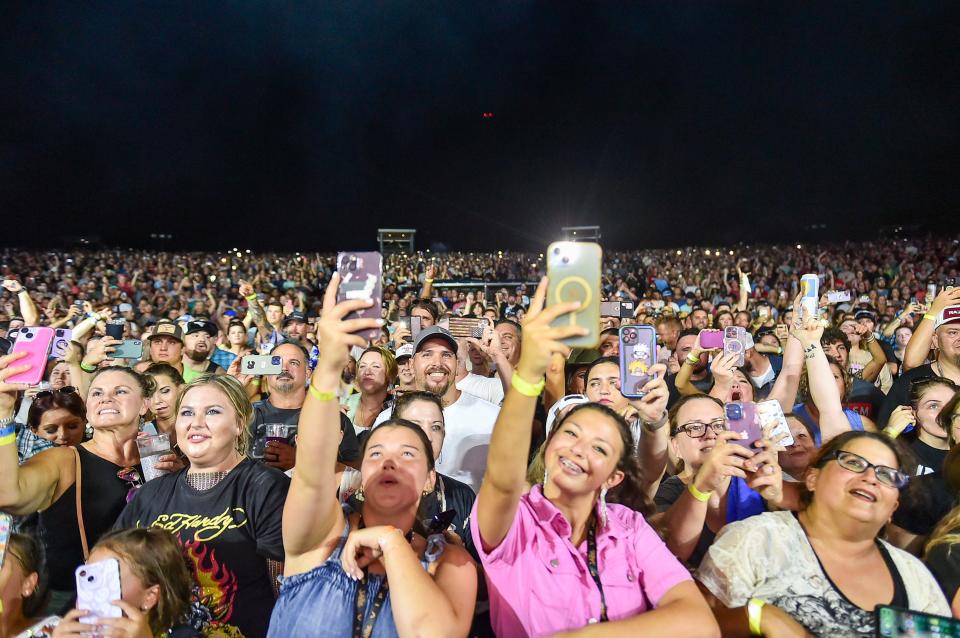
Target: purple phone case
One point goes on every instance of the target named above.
(748, 423)
(361, 278)
(638, 352)
(711, 339)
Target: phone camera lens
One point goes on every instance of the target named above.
(556, 251)
(83, 573)
(90, 579)
(565, 260)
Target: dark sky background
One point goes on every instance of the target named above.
(287, 125)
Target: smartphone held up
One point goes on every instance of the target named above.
(573, 269)
(638, 353)
(361, 274)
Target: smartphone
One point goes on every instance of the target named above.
(810, 290)
(763, 311)
(36, 342)
(128, 349)
(61, 342)
(742, 417)
(782, 331)
(735, 341)
(6, 525)
(838, 296)
(638, 352)
(627, 309)
(463, 327)
(360, 278)
(931, 293)
(574, 272)
(98, 585)
(261, 364)
(711, 339)
(115, 328)
(610, 309)
(416, 325)
(12, 334)
(893, 622)
(949, 282)
(771, 418)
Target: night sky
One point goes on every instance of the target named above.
(293, 126)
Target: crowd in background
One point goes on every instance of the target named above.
(503, 478)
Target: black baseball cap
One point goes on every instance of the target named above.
(435, 332)
(199, 325)
(296, 315)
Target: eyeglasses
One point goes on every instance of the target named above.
(67, 389)
(858, 465)
(132, 477)
(697, 429)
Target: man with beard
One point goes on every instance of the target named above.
(288, 390)
(469, 420)
(166, 346)
(197, 348)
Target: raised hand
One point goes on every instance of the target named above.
(540, 339)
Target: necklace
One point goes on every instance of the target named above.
(203, 481)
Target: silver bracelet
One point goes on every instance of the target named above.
(655, 425)
(7, 421)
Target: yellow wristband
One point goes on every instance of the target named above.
(755, 615)
(252, 297)
(321, 396)
(930, 317)
(86, 368)
(428, 281)
(703, 497)
(527, 389)
(692, 360)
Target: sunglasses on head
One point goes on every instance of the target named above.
(67, 389)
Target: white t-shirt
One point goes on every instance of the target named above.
(468, 423)
(489, 389)
(769, 557)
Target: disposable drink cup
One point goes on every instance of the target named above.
(151, 449)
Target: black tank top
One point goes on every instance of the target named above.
(104, 496)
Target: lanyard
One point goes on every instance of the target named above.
(363, 626)
(592, 566)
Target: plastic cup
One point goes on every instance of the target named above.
(151, 449)
(276, 432)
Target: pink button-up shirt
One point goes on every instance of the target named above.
(539, 582)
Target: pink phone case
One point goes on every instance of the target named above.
(35, 341)
(711, 339)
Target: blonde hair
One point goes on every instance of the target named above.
(947, 531)
(389, 362)
(237, 397)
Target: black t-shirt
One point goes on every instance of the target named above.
(865, 399)
(227, 534)
(265, 412)
(929, 459)
(923, 503)
(669, 492)
(703, 385)
(900, 393)
(943, 561)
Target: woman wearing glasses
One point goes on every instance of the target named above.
(59, 416)
(79, 491)
(692, 503)
(822, 571)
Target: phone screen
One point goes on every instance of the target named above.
(901, 623)
(638, 352)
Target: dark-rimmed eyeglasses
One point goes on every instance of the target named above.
(131, 477)
(857, 464)
(697, 429)
(67, 389)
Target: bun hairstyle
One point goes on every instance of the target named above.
(29, 553)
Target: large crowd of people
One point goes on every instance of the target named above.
(423, 483)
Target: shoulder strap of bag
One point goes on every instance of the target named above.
(78, 483)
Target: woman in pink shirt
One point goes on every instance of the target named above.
(560, 559)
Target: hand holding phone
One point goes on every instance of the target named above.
(742, 418)
(711, 339)
(735, 342)
(638, 353)
(261, 365)
(36, 342)
(573, 271)
(98, 585)
(361, 274)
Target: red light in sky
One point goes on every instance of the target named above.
(487, 115)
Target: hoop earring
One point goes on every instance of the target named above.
(603, 506)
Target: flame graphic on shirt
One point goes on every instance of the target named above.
(218, 585)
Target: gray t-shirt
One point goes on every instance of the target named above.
(265, 412)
